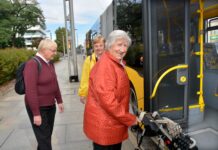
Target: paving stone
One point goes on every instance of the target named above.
(59, 134)
(16, 131)
(17, 140)
(75, 133)
(69, 117)
(5, 133)
(79, 145)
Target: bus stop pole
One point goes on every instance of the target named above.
(67, 37)
(73, 48)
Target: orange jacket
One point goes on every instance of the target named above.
(107, 117)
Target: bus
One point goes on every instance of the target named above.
(172, 63)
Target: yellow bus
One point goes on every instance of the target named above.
(173, 61)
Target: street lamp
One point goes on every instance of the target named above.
(72, 49)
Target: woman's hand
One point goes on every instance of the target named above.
(37, 120)
(137, 121)
(61, 107)
(83, 100)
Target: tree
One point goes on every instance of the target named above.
(129, 18)
(35, 42)
(5, 23)
(60, 34)
(16, 17)
(79, 49)
(25, 16)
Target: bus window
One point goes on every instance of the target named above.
(129, 18)
(212, 34)
(211, 45)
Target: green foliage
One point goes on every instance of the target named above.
(10, 59)
(35, 42)
(19, 42)
(15, 19)
(56, 58)
(133, 55)
(60, 34)
(5, 23)
(27, 16)
(88, 42)
(129, 18)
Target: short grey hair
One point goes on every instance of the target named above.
(46, 44)
(116, 35)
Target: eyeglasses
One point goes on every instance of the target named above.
(53, 50)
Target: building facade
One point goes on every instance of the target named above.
(33, 34)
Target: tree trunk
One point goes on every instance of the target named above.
(13, 40)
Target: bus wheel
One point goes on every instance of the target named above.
(133, 104)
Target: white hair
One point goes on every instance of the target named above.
(115, 35)
(46, 44)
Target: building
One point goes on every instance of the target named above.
(34, 33)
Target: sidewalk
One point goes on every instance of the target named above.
(15, 129)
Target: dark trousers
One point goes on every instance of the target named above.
(44, 131)
(107, 147)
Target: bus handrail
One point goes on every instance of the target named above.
(163, 75)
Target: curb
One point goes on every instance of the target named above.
(5, 88)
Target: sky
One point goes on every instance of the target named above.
(86, 12)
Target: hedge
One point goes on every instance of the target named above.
(10, 59)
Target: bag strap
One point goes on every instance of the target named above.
(38, 63)
(90, 57)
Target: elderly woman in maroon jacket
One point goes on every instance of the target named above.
(42, 92)
(107, 117)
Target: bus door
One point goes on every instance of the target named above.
(166, 57)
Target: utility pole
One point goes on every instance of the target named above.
(77, 42)
(63, 43)
(67, 39)
(72, 50)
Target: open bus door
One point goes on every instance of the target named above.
(167, 58)
(174, 47)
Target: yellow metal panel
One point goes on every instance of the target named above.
(193, 1)
(180, 108)
(163, 75)
(201, 75)
(138, 83)
(211, 11)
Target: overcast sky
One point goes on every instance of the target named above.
(86, 13)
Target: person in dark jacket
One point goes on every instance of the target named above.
(106, 116)
(42, 93)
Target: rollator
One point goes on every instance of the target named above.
(166, 133)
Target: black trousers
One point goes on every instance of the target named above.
(107, 147)
(43, 132)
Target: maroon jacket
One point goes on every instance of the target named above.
(41, 88)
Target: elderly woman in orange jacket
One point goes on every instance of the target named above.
(107, 117)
